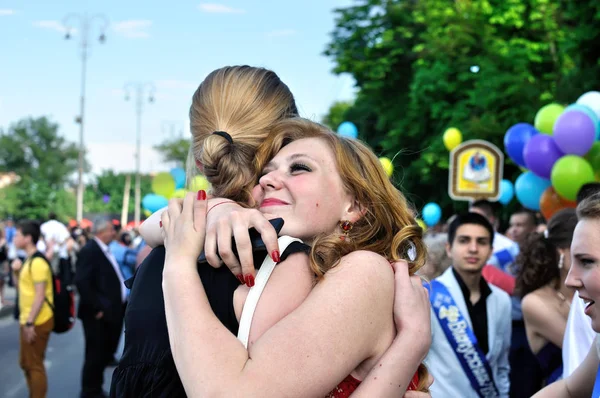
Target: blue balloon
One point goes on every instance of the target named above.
(432, 214)
(588, 111)
(515, 139)
(348, 129)
(529, 189)
(507, 192)
(179, 176)
(153, 202)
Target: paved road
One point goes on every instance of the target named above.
(64, 359)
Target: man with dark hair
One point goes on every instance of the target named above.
(470, 319)
(579, 335)
(587, 190)
(522, 223)
(36, 317)
(505, 250)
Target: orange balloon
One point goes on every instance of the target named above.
(551, 202)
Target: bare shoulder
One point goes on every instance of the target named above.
(364, 267)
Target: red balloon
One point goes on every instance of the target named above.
(551, 202)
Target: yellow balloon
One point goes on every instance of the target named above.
(452, 138)
(179, 193)
(198, 183)
(147, 213)
(163, 184)
(422, 224)
(387, 166)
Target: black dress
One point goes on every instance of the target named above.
(146, 368)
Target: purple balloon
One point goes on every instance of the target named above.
(106, 198)
(574, 133)
(515, 139)
(540, 154)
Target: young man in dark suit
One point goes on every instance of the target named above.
(101, 306)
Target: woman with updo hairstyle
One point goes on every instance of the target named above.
(332, 193)
(230, 117)
(545, 261)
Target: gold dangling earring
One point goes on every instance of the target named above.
(346, 227)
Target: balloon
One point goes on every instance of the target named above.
(569, 174)
(588, 111)
(591, 99)
(515, 139)
(529, 189)
(421, 224)
(179, 176)
(593, 156)
(387, 166)
(452, 138)
(348, 129)
(179, 193)
(198, 183)
(574, 133)
(106, 198)
(540, 154)
(432, 214)
(147, 213)
(551, 202)
(163, 184)
(507, 192)
(153, 202)
(546, 117)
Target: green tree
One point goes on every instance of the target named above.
(412, 64)
(112, 185)
(45, 161)
(34, 148)
(336, 114)
(174, 150)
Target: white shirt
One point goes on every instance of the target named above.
(578, 338)
(115, 265)
(56, 232)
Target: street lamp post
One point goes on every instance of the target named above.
(86, 23)
(143, 91)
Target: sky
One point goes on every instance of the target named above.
(171, 48)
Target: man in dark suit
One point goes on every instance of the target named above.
(101, 306)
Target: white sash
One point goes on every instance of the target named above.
(262, 277)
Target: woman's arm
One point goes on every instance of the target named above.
(336, 328)
(542, 319)
(392, 375)
(579, 384)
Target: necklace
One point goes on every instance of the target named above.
(563, 298)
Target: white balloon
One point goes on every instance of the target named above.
(591, 99)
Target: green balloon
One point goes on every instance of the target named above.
(593, 156)
(569, 173)
(546, 117)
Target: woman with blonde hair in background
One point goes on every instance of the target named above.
(231, 113)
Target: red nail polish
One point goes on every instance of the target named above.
(275, 256)
(160, 223)
(249, 280)
(201, 195)
(240, 278)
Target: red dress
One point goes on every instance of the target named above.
(347, 387)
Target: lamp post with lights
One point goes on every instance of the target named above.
(85, 24)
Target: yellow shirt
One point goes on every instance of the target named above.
(34, 271)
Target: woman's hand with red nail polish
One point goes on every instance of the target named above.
(184, 230)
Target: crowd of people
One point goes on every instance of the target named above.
(33, 255)
(346, 296)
